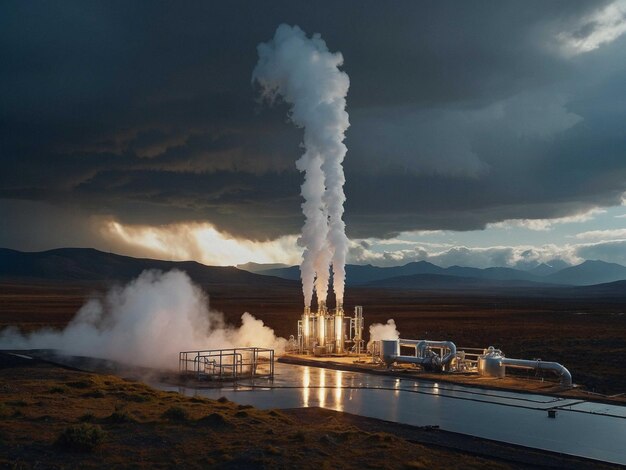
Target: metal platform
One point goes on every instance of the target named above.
(227, 364)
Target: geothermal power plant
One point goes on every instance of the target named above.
(303, 73)
(319, 106)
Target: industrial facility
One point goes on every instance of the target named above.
(329, 333)
(329, 336)
(443, 356)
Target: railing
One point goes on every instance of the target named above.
(227, 364)
(470, 358)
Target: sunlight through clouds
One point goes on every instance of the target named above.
(203, 243)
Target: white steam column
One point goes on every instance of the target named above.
(306, 75)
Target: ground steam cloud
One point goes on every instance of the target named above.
(306, 75)
(147, 322)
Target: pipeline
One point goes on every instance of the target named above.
(424, 355)
(493, 364)
(558, 369)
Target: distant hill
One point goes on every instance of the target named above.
(357, 275)
(258, 267)
(589, 273)
(607, 290)
(362, 274)
(550, 267)
(87, 264)
(495, 274)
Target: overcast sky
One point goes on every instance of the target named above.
(482, 133)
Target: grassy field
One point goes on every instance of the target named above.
(587, 336)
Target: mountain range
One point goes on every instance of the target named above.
(85, 264)
(584, 274)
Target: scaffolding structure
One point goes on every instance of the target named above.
(227, 364)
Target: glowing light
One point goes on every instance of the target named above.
(200, 242)
(306, 382)
(321, 329)
(306, 326)
(338, 390)
(339, 328)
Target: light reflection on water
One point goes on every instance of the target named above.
(323, 387)
(584, 429)
(306, 382)
(338, 390)
(321, 393)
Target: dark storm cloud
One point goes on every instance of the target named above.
(463, 113)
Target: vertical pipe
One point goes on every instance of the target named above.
(306, 329)
(321, 323)
(339, 346)
(358, 327)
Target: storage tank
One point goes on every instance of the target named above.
(389, 350)
(490, 363)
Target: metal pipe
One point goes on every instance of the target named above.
(447, 359)
(421, 346)
(424, 356)
(558, 369)
(306, 329)
(321, 323)
(339, 329)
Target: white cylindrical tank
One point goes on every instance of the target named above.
(490, 363)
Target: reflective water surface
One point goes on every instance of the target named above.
(586, 429)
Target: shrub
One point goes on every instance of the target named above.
(121, 416)
(298, 436)
(139, 398)
(214, 420)
(175, 413)
(87, 418)
(81, 438)
(95, 394)
(81, 384)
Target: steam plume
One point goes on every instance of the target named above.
(379, 331)
(147, 322)
(306, 75)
